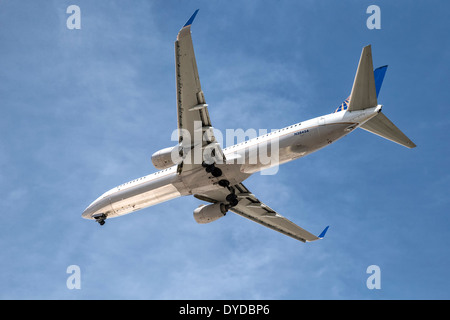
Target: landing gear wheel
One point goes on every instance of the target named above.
(224, 183)
(100, 218)
(234, 202)
(211, 168)
(208, 167)
(204, 164)
(232, 199)
(216, 172)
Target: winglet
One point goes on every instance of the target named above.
(322, 235)
(191, 19)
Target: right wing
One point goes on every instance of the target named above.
(195, 132)
(251, 208)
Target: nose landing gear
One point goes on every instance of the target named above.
(100, 218)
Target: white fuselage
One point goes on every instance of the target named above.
(292, 142)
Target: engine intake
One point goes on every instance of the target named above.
(209, 213)
(164, 158)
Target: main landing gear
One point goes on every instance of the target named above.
(211, 168)
(216, 172)
(100, 218)
(232, 198)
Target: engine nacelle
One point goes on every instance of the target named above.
(209, 213)
(164, 158)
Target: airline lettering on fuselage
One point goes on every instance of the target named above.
(301, 132)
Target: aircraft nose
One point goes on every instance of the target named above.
(87, 214)
(91, 210)
(100, 206)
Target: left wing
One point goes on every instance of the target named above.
(195, 132)
(251, 208)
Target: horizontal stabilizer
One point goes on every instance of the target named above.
(382, 126)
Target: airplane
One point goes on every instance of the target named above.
(200, 167)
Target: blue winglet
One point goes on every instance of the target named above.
(322, 235)
(379, 76)
(191, 19)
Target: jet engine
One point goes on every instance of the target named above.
(164, 158)
(209, 213)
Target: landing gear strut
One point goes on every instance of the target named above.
(100, 218)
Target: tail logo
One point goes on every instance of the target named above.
(343, 106)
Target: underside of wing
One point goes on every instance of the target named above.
(251, 208)
(194, 125)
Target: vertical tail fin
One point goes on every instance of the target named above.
(364, 94)
(378, 74)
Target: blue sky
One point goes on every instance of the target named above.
(83, 110)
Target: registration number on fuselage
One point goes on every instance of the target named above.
(301, 132)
